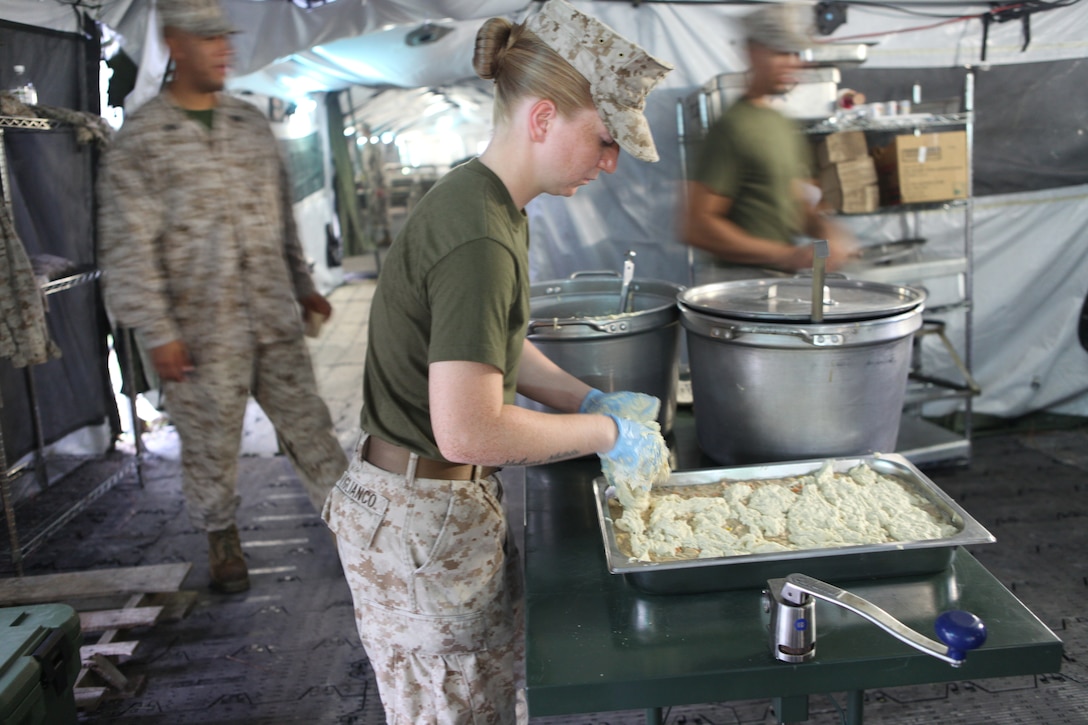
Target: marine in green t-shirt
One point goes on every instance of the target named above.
(455, 286)
(749, 201)
(423, 538)
(753, 155)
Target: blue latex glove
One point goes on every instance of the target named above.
(638, 461)
(622, 403)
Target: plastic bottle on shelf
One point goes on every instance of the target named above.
(24, 90)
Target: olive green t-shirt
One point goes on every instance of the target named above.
(204, 117)
(454, 286)
(752, 155)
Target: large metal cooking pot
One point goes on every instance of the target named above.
(770, 385)
(577, 323)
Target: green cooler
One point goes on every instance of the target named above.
(39, 663)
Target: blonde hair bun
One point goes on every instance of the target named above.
(492, 40)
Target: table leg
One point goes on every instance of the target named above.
(790, 709)
(855, 701)
(653, 716)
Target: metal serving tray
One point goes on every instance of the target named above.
(832, 564)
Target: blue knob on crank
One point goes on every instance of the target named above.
(961, 631)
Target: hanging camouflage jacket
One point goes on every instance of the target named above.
(24, 335)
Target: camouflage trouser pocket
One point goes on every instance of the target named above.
(428, 573)
(370, 505)
(454, 538)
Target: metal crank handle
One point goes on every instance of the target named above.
(959, 631)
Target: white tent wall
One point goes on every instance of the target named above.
(1030, 267)
(1030, 257)
(937, 34)
(271, 29)
(1031, 278)
(275, 29)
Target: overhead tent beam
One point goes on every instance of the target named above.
(275, 30)
(326, 67)
(386, 105)
(382, 110)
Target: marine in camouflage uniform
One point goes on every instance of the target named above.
(199, 245)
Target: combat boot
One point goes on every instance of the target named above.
(225, 560)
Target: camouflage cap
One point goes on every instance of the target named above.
(199, 17)
(620, 73)
(786, 27)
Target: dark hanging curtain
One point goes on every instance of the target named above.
(51, 190)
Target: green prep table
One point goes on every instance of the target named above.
(596, 643)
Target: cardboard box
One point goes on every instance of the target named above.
(859, 200)
(850, 186)
(924, 168)
(849, 174)
(843, 146)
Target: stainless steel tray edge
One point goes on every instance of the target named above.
(970, 533)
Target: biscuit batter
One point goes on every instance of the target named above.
(822, 510)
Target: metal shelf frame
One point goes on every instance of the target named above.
(891, 124)
(923, 388)
(912, 208)
(8, 473)
(918, 123)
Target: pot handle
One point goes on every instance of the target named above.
(820, 339)
(807, 273)
(609, 326)
(596, 273)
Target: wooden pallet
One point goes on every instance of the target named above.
(151, 595)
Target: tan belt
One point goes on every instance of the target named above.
(394, 459)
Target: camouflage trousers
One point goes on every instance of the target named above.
(438, 593)
(208, 411)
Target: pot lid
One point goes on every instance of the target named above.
(791, 299)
